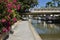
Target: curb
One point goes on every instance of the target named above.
(35, 34)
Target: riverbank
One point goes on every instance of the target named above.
(50, 36)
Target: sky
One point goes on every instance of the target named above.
(42, 3)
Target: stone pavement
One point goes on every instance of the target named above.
(22, 32)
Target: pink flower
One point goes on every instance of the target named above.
(18, 7)
(9, 24)
(9, 10)
(3, 20)
(14, 19)
(9, 5)
(14, 6)
(14, 1)
(8, 28)
(4, 30)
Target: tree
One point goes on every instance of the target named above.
(53, 3)
(26, 4)
(49, 4)
(56, 3)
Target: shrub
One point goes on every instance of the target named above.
(8, 14)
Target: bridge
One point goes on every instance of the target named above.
(42, 12)
(36, 11)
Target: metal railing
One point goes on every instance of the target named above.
(46, 9)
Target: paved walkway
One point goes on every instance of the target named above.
(22, 32)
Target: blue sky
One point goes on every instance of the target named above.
(42, 3)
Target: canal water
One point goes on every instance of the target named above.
(47, 31)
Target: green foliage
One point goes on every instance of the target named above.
(1, 27)
(53, 3)
(26, 4)
(49, 4)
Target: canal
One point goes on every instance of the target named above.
(47, 31)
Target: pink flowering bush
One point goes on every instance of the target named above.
(8, 14)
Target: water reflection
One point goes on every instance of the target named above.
(44, 28)
(47, 30)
